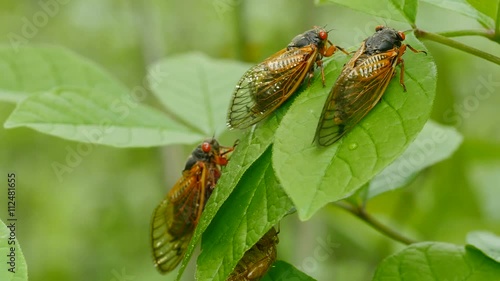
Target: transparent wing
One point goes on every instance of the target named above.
(175, 219)
(267, 85)
(357, 90)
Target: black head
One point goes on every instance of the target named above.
(203, 152)
(384, 39)
(317, 36)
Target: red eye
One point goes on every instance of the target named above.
(323, 35)
(402, 35)
(206, 147)
(379, 27)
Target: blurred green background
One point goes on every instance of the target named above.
(94, 223)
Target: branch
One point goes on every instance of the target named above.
(490, 34)
(455, 44)
(377, 225)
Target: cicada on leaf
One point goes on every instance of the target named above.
(265, 86)
(257, 260)
(362, 83)
(175, 219)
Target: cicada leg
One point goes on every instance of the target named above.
(401, 76)
(319, 63)
(402, 62)
(415, 50)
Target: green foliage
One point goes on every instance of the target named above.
(437, 261)
(489, 8)
(404, 11)
(486, 242)
(434, 144)
(284, 271)
(196, 89)
(30, 70)
(20, 267)
(464, 7)
(97, 116)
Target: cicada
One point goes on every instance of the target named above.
(362, 83)
(175, 219)
(257, 260)
(264, 87)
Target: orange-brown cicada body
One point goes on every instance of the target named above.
(175, 219)
(362, 83)
(257, 260)
(264, 87)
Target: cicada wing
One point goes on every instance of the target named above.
(168, 249)
(354, 94)
(267, 85)
(175, 219)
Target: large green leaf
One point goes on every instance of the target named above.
(282, 271)
(98, 117)
(14, 267)
(486, 242)
(434, 143)
(399, 10)
(197, 88)
(257, 203)
(28, 70)
(464, 8)
(314, 176)
(250, 148)
(435, 261)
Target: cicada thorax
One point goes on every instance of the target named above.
(257, 260)
(264, 87)
(175, 219)
(362, 83)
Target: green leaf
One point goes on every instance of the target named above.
(464, 8)
(98, 117)
(281, 271)
(197, 88)
(19, 263)
(256, 204)
(486, 242)
(408, 9)
(313, 176)
(250, 148)
(489, 8)
(29, 70)
(399, 10)
(432, 261)
(434, 144)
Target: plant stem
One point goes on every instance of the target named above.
(457, 45)
(497, 23)
(469, 32)
(377, 225)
